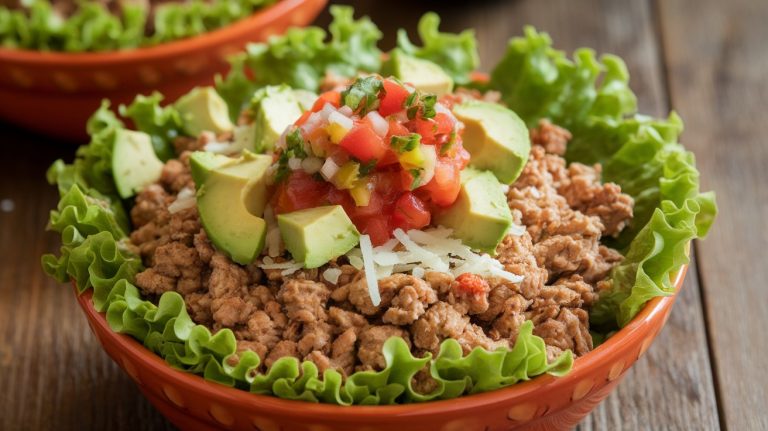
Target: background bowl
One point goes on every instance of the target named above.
(55, 93)
(543, 403)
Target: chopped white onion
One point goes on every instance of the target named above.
(311, 165)
(294, 163)
(380, 125)
(329, 169)
(346, 110)
(370, 271)
(326, 111)
(314, 121)
(337, 118)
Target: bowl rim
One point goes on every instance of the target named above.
(195, 383)
(259, 18)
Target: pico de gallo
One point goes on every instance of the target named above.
(387, 153)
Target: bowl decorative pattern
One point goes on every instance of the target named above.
(543, 403)
(55, 93)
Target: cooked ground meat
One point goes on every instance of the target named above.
(566, 211)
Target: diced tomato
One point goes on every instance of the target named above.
(444, 123)
(470, 283)
(299, 191)
(303, 118)
(393, 99)
(397, 128)
(410, 212)
(445, 185)
(332, 97)
(377, 228)
(363, 143)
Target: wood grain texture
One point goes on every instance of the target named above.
(55, 375)
(717, 63)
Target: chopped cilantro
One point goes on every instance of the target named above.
(366, 168)
(401, 144)
(416, 173)
(363, 95)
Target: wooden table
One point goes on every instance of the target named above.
(707, 59)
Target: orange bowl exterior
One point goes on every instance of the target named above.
(543, 403)
(55, 93)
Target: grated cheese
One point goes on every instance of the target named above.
(419, 251)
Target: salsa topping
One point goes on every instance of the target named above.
(388, 153)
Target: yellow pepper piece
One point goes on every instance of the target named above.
(412, 159)
(361, 193)
(336, 131)
(347, 175)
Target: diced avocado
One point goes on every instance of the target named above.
(134, 163)
(495, 137)
(201, 163)
(480, 217)
(226, 217)
(202, 109)
(423, 74)
(274, 108)
(305, 98)
(317, 235)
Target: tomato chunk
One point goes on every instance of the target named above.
(393, 99)
(410, 212)
(300, 191)
(472, 284)
(332, 97)
(445, 185)
(363, 143)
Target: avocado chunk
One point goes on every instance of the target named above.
(273, 108)
(480, 217)
(201, 163)
(134, 163)
(202, 109)
(317, 235)
(305, 98)
(496, 138)
(423, 74)
(226, 218)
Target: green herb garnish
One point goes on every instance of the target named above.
(402, 144)
(363, 95)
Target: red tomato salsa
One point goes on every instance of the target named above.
(386, 152)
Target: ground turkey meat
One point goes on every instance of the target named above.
(565, 209)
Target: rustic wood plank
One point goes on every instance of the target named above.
(60, 379)
(671, 387)
(53, 371)
(717, 61)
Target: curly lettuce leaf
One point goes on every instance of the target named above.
(592, 99)
(92, 27)
(455, 53)
(162, 123)
(302, 56)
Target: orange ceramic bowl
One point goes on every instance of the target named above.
(55, 93)
(543, 403)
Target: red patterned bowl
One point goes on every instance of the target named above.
(55, 93)
(543, 403)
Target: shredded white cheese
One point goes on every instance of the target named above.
(420, 251)
(371, 278)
